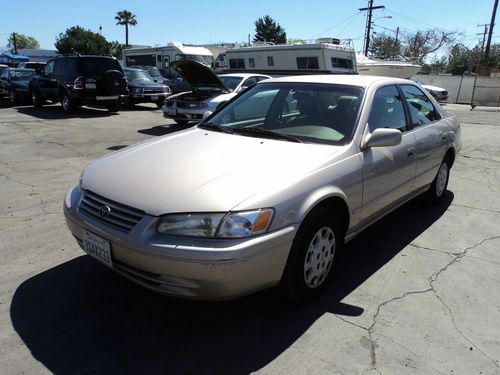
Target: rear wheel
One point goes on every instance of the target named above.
(67, 104)
(36, 98)
(438, 187)
(309, 265)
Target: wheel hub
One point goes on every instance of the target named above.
(319, 257)
(442, 176)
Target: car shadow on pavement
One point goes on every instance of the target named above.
(55, 112)
(79, 317)
(164, 129)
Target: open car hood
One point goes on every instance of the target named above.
(197, 74)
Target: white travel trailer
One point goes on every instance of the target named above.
(286, 59)
(161, 56)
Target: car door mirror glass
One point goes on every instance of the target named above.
(206, 115)
(382, 137)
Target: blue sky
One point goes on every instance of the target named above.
(211, 21)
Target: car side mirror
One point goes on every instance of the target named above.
(242, 88)
(382, 137)
(206, 115)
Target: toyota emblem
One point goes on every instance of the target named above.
(104, 211)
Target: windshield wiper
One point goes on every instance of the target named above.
(266, 133)
(215, 127)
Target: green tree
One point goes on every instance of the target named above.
(126, 18)
(22, 42)
(268, 30)
(78, 40)
(296, 41)
(383, 46)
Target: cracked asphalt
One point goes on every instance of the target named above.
(417, 293)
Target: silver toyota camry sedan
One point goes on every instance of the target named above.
(265, 191)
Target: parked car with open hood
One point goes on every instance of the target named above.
(264, 191)
(80, 80)
(14, 83)
(209, 91)
(143, 89)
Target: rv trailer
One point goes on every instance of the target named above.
(286, 59)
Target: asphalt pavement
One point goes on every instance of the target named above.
(417, 293)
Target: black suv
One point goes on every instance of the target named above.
(80, 80)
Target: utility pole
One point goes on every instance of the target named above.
(484, 37)
(492, 23)
(370, 8)
(14, 42)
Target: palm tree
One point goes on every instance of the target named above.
(125, 17)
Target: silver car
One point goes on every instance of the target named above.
(264, 192)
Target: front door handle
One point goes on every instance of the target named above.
(410, 151)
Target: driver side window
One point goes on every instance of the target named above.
(387, 110)
(49, 68)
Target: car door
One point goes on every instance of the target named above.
(3, 82)
(388, 172)
(46, 80)
(431, 134)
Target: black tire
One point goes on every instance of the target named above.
(13, 97)
(437, 190)
(36, 98)
(160, 103)
(297, 283)
(67, 104)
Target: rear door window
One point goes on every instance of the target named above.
(422, 110)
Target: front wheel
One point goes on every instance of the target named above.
(438, 187)
(14, 99)
(309, 265)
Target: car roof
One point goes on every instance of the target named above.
(133, 69)
(22, 69)
(341, 79)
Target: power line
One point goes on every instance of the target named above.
(337, 25)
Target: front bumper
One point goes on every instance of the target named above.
(149, 98)
(205, 269)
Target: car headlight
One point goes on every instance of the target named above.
(166, 89)
(198, 105)
(222, 225)
(138, 90)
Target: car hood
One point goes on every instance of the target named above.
(144, 85)
(201, 171)
(197, 74)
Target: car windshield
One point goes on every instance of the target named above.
(230, 82)
(22, 75)
(318, 113)
(138, 75)
(207, 60)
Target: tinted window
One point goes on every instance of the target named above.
(307, 62)
(341, 63)
(270, 60)
(237, 63)
(66, 68)
(97, 66)
(230, 82)
(387, 110)
(250, 81)
(422, 111)
(251, 62)
(147, 60)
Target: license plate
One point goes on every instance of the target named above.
(90, 86)
(154, 97)
(171, 112)
(97, 247)
(115, 97)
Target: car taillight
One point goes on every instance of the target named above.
(78, 84)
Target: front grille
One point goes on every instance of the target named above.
(116, 215)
